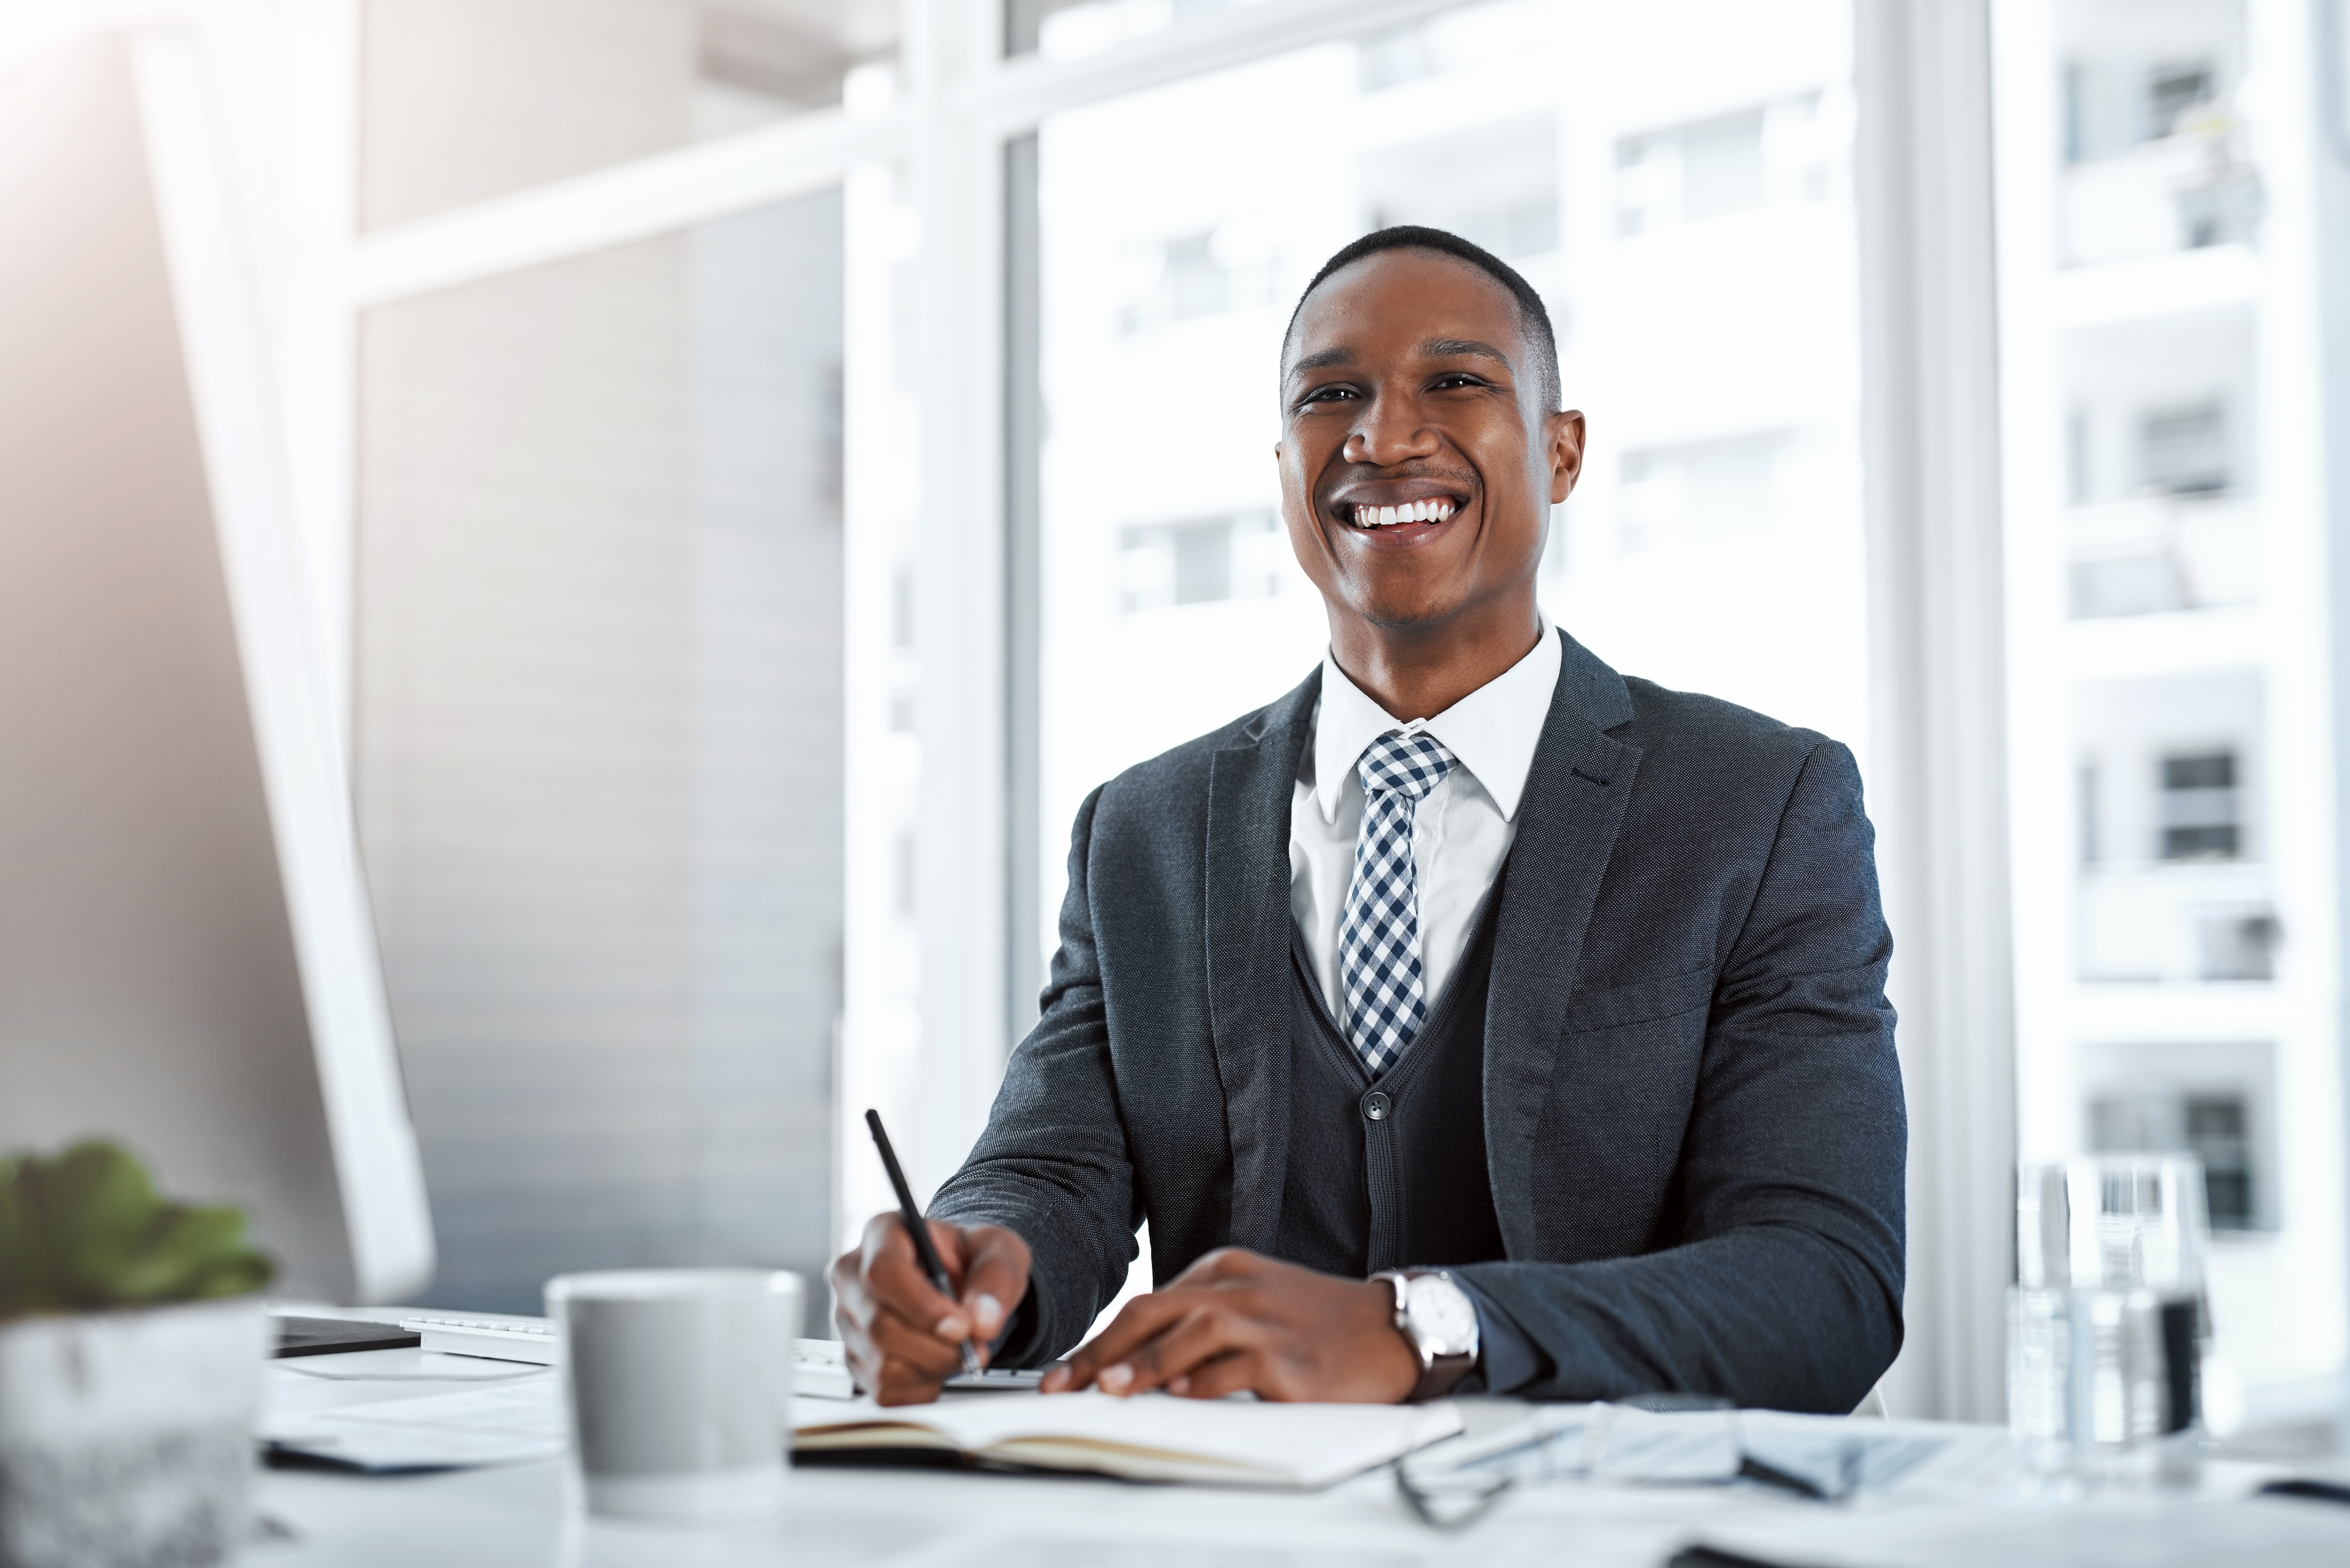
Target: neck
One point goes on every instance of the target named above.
(1417, 672)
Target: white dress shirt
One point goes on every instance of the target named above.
(1461, 830)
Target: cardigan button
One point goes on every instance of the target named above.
(1374, 1105)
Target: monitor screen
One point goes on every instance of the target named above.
(187, 962)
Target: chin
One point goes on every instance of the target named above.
(1405, 614)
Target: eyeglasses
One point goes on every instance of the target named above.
(1650, 1439)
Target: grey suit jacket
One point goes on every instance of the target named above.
(1694, 1127)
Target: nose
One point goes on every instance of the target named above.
(1388, 432)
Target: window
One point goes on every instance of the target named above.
(2213, 1099)
(1717, 168)
(2170, 92)
(1702, 491)
(2199, 819)
(2166, 737)
(2184, 451)
(1204, 561)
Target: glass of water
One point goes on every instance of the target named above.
(2106, 1321)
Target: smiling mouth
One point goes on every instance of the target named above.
(1436, 508)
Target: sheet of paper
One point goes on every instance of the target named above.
(509, 1424)
(1613, 1443)
(1311, 1444)
(1907, 1456)
(2144, 1534)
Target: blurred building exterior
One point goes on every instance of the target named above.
(2176, 881)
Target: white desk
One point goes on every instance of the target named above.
(884, 1519)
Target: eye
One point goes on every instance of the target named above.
(1327, 395)
(1453, 380)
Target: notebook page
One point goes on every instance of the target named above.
(1303, 1445)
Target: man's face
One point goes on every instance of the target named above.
(1409, 385)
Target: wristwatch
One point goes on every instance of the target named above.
(1439, 1321)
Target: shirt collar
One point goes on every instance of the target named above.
(1492, 732)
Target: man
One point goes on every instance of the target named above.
(1472, 1017)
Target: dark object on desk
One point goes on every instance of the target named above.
(911, 1215)
(334, 1335)
(277, 1456)
(1703, 1556)
(2313, 1490)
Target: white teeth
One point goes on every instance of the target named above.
(1433, 511)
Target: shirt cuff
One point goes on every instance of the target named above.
(1506, 1357)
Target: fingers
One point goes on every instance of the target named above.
(994, 1277)
(1146, 1318)
(1201, 1335)
(1242, 1371)
(911, 1366)
(1138, 1321)
(903, 1337)
(893, 1278)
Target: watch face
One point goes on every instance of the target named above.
(1443, 1319)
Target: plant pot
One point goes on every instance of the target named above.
(126, 1438)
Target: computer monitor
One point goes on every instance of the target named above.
(187, 959)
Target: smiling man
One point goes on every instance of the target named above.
(1473, 1016)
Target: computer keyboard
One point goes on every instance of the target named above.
(530, 1339)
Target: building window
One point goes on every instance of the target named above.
(2201, 810)
(2236, 942)
(2213, 1125)
(2172, 91)
(1202, 274)
(1700, 491)
(1200, 561)
(1765, 156)
(2184, 451)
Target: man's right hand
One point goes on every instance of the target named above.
(904, 1339)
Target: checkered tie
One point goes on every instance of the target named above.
(1378, 939)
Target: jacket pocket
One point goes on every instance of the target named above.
(1637, 1001)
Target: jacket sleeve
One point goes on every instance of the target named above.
(1052, 1164)
(1780, 1283)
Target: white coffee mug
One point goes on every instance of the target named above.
(679, 1386)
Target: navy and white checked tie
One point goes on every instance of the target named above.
(1378, 939)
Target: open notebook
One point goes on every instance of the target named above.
(1152, 1437)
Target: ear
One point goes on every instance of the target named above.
(1563, 435)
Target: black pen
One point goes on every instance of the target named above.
(917, 1232)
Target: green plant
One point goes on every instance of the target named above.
(86, 1230)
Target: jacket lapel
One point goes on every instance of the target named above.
(1250, 785)
(1574, 801)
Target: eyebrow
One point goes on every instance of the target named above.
(1440, 347)
(1326, 358)
(1430, 348)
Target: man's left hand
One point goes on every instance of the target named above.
(1237, 1320)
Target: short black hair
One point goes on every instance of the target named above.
(1534, 317)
